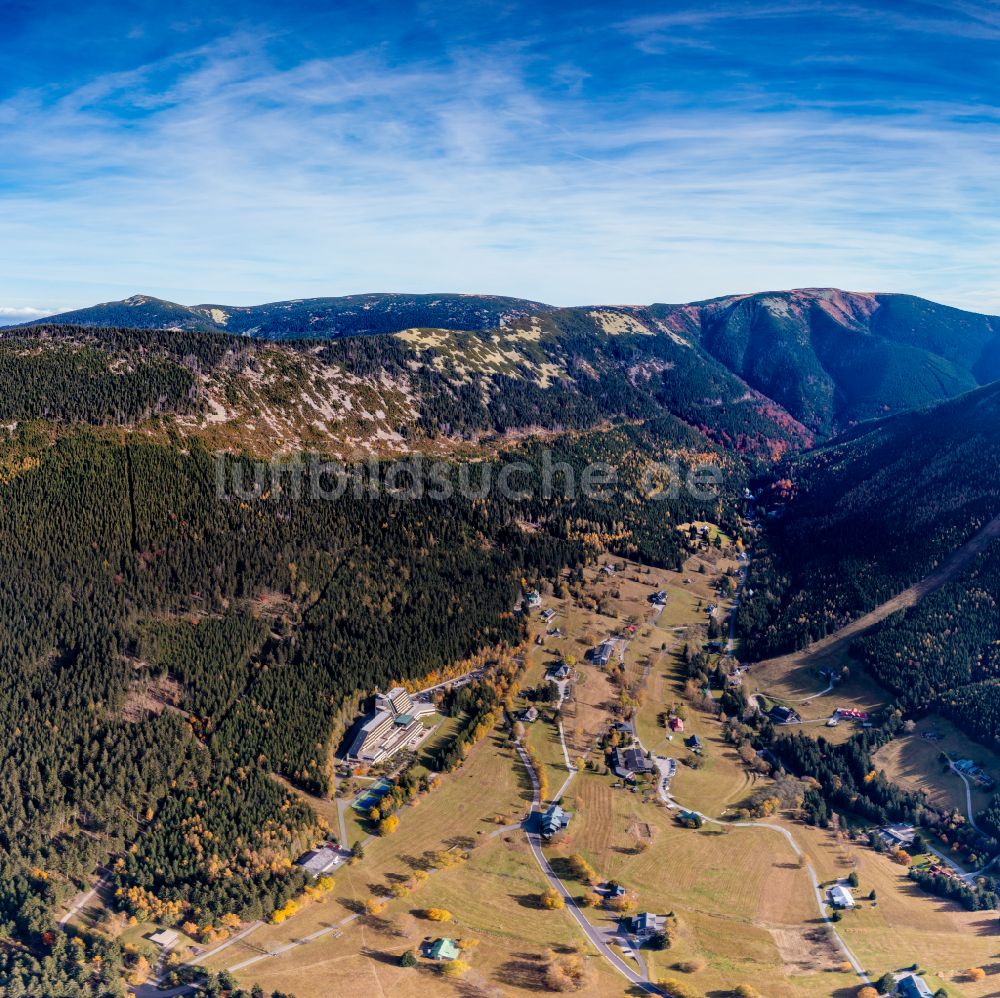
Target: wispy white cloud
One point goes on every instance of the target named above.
(219, 174)
(11, 314)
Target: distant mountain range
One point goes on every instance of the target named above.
(829, 358)
(325, 318)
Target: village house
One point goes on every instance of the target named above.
(897, 836)
(629, 762)
(554, 821)
(840, 897)
(559, 673)
(444, 950)
(912, 986)
(647, 925)
(783, 715)
(165, 938)
(601, 655)
(852, 715)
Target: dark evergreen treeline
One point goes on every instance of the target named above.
(84, 385)
(867, 517)
(165, 646)
(978, 897)
(948, 643)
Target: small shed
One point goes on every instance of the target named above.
(165, 938)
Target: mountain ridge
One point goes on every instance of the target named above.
(370, 313)
(828, 358)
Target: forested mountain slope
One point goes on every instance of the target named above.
(174, 632)
(833, 357)
(829, 358)
(866, 517)
(418, 389)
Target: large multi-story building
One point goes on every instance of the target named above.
(396, 723)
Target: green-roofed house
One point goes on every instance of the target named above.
(444, 950)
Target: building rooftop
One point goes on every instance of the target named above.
(630, 760)
(319, 861)
(554, 820)
(164, 938)
(647, 923)
(603, 652)
(444, 949)
(841, 897)
(912, 986)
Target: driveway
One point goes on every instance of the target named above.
(600, 938)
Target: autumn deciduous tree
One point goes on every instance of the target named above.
(139, 971)
(582, 870)
(438, 914)
(551, 898)
(678, 989)
(623, 904)
(388, 825)
(975, 974)
(566, 972)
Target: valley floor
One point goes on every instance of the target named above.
(745, 904)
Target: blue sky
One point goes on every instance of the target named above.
(568, 152)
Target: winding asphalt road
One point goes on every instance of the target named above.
(593, 934)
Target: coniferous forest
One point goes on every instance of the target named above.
(167, 648)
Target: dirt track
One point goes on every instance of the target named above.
(833, 644)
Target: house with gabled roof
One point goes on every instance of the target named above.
(912, 986)
(554, 820)
(444, 950)
(647, 924)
